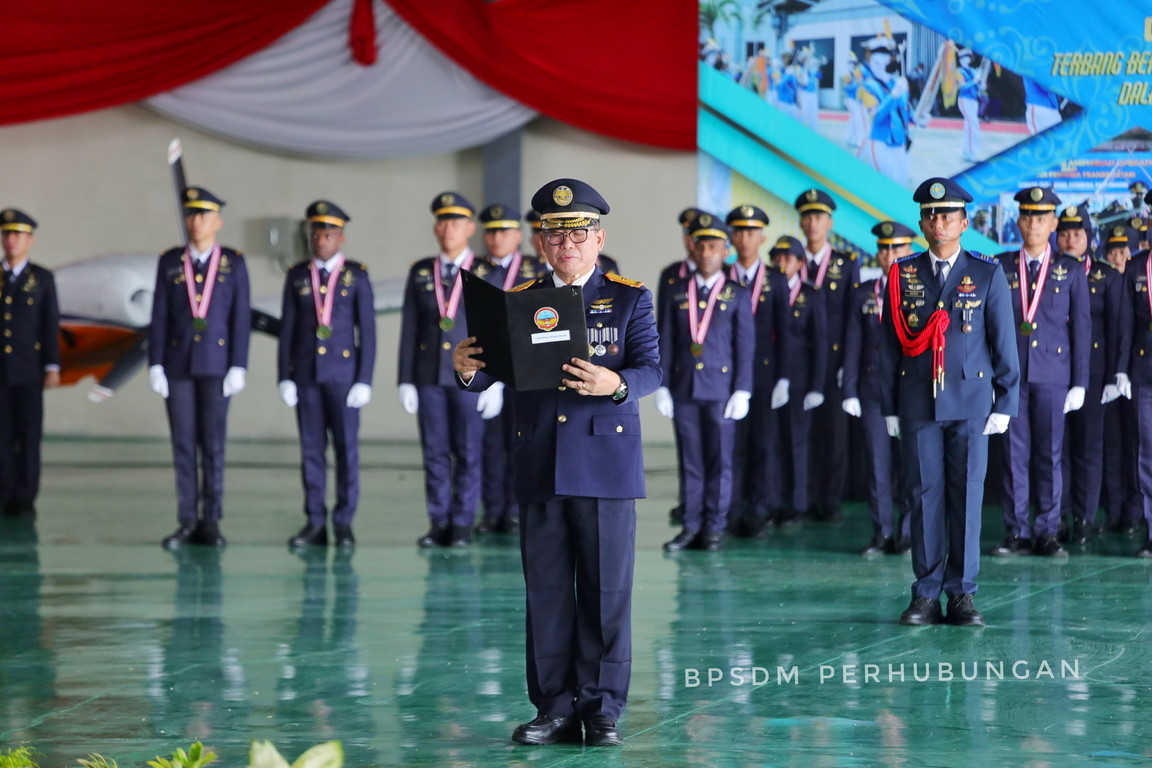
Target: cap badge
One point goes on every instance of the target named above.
(497, 212)
(1036, 194)
(704, 220)
(192, 194)
(937, 191)
(1118, 231)
(562, 195)
(9, 215)
(886, 229)
(1070, 211)
(746, 211)
(447, 199)
(1136, 223)
(321, 208)
(812, 195)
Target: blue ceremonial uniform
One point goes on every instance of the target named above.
(1137, 359)
(944, 450)
(30, 327)
(804, 357)
(1053, 357)
(324, 370)
(195, 362)
(700, 388)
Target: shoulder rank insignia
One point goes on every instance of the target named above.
(623, 280)
(522, 286)
(909, 257)
(982, 257)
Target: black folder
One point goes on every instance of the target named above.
(526, 335)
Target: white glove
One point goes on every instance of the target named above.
(851, 407)
(664, 403)
(1075, 399)
(234, 381)
(358, 395)
(900, 88)
(491, 401)
(737, 407)
(813, 400)
(288, 393)
(1124, 385)
(839, 377)
(997, 423)
(780, 393)
(892, 424)
(1111, 392)
(158, 381)
(409, 400)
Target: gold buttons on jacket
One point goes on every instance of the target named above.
(1035, 343)
(220, 342)
(561, 418)
(322, 351)
(346, 353)
(562, 388)
(619, 428)
(723, 369)
(196, 337)
(699, 366)
(446, 345)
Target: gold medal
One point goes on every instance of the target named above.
(447, 324)
(696, 349)
(1026, 328)
(199, 323)
(324, 332)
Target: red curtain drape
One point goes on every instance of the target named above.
(625, 68)
(59, 57)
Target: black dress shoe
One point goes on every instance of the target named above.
(962, 612)
(711, 541)
(684, 540)
(1048, 546)
(311, 535)
(512, 525)
(787, 518)
(208, 535)
(880, 545)
(548, 730)
(437, 536)
(461, 536)
(676, 515)
(601, 731)
(1080, 532)
(183, 535)
(1013, 546)
(902, 546)
(486, 527)
(1145, 552)
(343, 536)
(921, 611)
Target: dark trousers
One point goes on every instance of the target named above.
(1123, 500)
(321, 412)
(945, 462)
(578, 555)
(1142, 394)
(795, 426)
(828, 458)
(498, 481)
(451, 437)
(21, 430)
(1032, 452)
(197, 419)
(755, 472)
(705, 438)
(1083, 469)
(887, 501)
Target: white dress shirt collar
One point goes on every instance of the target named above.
(328, 265)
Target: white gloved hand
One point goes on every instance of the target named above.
(359, 395)
(1075, 399)
(1111, 392)
(234, 381)
(892, 424)
(664, 403)
(409, 400)
(737, 407)
(813, 400)
(780, 394)
(1124, 385)
(288, 393)
(491, 401)
(839, 378)
(900, 87)
(158, 381)
(851, 407)
(997, 423)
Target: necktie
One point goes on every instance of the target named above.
(450, 272)
(323, 276)
(941, 272)
(1033, 272)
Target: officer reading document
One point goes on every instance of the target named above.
(579, 470)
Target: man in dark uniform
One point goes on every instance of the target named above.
(804, 355)
(578, 518)
(326, 352)
(755, 471)
(198, 353)
(451, 428)
(1083, 453)
(1124, 502)
(949, 377)
(1049, 296)
(887, 501)
(504, 267)
(31, 361)
(706, 344)
(836, 274)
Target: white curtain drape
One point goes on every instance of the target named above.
(305, 95)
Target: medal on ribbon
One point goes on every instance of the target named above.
(447, 309)
(1029, 308)
(324, 299)
(199, 304)
(698, 326)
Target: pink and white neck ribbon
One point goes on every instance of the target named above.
(513, 270)
(1029, 308)
(878, 292)
(756, 287)
(448, 309)
(825, 255)
(698, 326)
(199, 306)
(324, 305)
(794, 291)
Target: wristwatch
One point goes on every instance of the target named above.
(621, 391)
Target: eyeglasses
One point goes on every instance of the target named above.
(556, 236)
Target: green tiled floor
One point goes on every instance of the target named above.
(110, 644)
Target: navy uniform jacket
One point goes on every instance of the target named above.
(842, 277)
(30, 323)
(494, 274)
(1107, 300)
(804, 351)
(567, 444)
(425, 350)
(771, 314)
(1136, 322)
(981, 368)
(862, 343)
(1057, 350)
(348, 356)
(175, 344)
(726, 365)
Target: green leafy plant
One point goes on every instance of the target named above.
(18, 757)
(195, 757)
(330, 754)
(95, 760)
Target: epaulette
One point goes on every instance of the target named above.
(982, 257)
(522, 286)
(909, 257)
(853, 256)
(623, 280)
